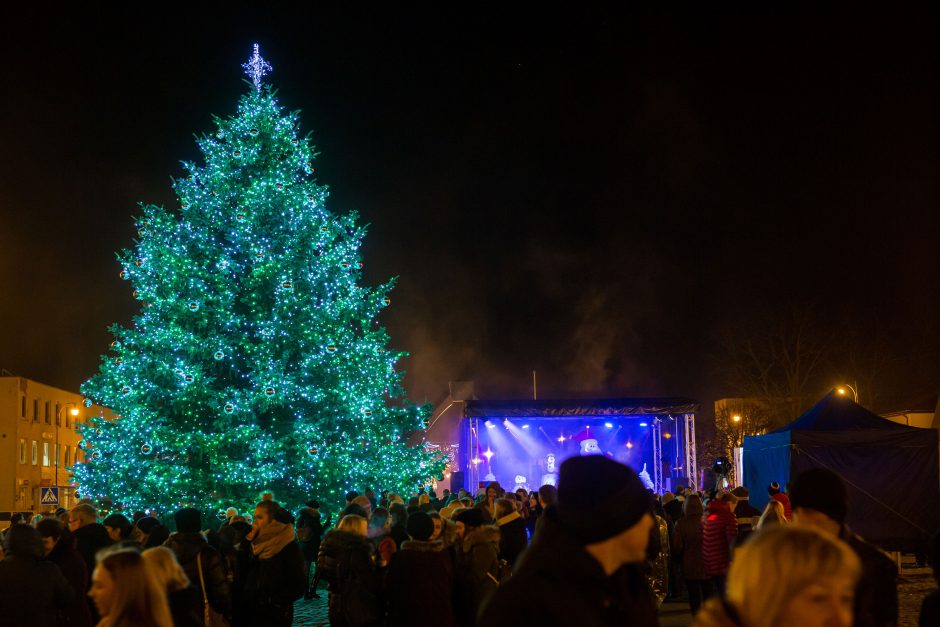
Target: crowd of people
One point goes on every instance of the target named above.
(599, 550)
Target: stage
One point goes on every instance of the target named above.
(523, 443)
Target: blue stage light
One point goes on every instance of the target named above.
(609, 425)
(489, 424)
(525, 426)
(643, 424)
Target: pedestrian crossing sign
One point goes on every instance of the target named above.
(49, 496)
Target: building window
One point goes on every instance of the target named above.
(58, 415)
(22, 407)
(68, 420)
(66, 461)
(48, 414)
(22, 451)
(58, 453)
(35, 453)
(45, 454)
(35, 410)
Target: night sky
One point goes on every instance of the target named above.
(592, 197)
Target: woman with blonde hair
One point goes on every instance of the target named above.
(347, 564)
(787, 576)
(773, 516)
(125, 592)
(186, 607)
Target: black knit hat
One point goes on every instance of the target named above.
(822, 490)
(188, 520)
(147, 523)
(469, 517)
(599, 498)
(420, 526)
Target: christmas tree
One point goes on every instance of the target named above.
(256, 361)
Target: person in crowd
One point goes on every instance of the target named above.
(351, 496)
(144, 527)
(548, 495)
(820, 500)
(718, 533)
(399, 529)
(32, 590)
(236, 553)
(420, 578)
(773, 515)
(535, 512)
(424, 503)
(119, 528)
(184, 600)
(310, 534)
(346, 563)
(787, 576)
(658, 554)
(59, 548)
(275, 577)
(193, 552)
(90, 535)
(513, 538)
(673, 507)
(744, 509)
(125, 593)
(930, 607)
(369, 493)
(493, 492)
(585, 564)
(379, 534)
(687, 549)
(366, 505)
(436, 504)
(476, 569)
(774, 491)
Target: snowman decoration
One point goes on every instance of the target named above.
(551, 475)
(590, 447)
(521, 483)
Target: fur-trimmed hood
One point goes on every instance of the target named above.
(480, 535)
(424, 547)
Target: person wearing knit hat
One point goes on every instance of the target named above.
(820, 500)
(192, 550)
(420, 578)
(585, 563)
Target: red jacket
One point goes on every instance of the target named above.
(718, 533)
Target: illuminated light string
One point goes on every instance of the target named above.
(234, 383)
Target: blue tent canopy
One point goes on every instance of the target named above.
(891, 471)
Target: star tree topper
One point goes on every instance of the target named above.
(256, 67)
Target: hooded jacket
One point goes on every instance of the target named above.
(720, 530)
(188, 546)
(513, 537)
(88, 541)
(476, 571)
(571, 587)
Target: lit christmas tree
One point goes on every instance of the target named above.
(256, 362)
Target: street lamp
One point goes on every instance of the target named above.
(842, 392)
(58, 424)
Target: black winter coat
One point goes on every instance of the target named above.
(571, 587)
(307, 519)
(31, 590)
(420, 582)
(876, 595)
(475, 572)
(273, 584)
(70, 562)
(513, 539)
(188, 547)
(89, 540)
(355, 590)
(186, 607)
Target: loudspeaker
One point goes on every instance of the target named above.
(457, 481)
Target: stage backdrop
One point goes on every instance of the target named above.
(891, 471)
(523, 443)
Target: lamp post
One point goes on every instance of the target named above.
(736, 419)
(58, 425)
(841, 390)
